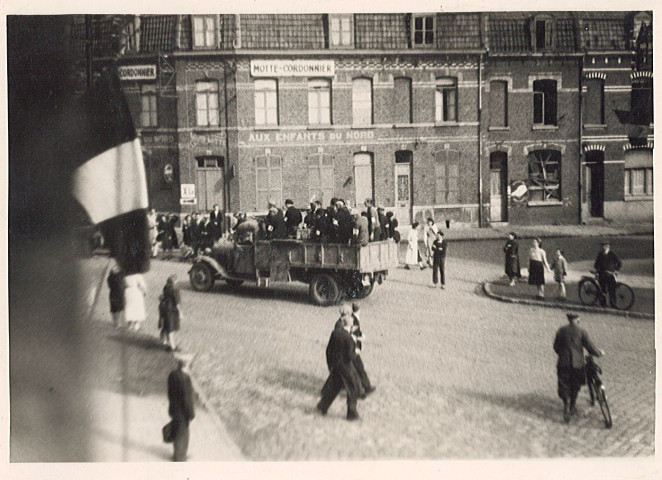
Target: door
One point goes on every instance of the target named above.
(498, 189)
(363, 177)
(595, 183)
(403, 164)
(210, 185)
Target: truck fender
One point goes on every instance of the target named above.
(216, 267)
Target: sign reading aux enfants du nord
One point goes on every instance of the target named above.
(293, 68)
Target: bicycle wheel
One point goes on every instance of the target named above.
(591, 390)
(589, 291)
(624, 297)
(604, 406)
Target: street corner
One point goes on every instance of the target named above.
(523, 293)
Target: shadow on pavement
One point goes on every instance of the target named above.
(161, 452)
(295, 380)
(275, 294)
(536, 404)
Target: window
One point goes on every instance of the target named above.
(402, 100)
(319, 102)
(148, 117)
(269, 180)
(595, 102)
(341, 30)
(447, 176)
(544, 102)
(320, 177)
(543, 34)
(423, 31)
(642, 101)
(446, 100)
(204, 31)
(545, 176)
(209, 162)
(362, 101)
(498, 103)
(638, 181)
(266, 102)
(206, 101)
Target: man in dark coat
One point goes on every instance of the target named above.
(607, 263)
(345, 222)
(385, 223)
(320, 229)
(360, 229)
(511, 252)
(292, 218)
(569, 345)
(274, 223)
(116, 287)
(216, 223)
(439, 247)
(194, 233)
(340, 355)
(181, 408)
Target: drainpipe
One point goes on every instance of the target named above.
(581, 123)
(226, 179)
(480, 141)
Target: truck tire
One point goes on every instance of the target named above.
(324, 290)
(201, 277)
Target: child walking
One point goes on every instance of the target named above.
(560, 269)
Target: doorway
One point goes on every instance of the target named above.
(210, 185)
(403, 187)
(498, 187)
(363, 177)
(595, 183)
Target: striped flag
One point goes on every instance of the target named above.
(109, 178)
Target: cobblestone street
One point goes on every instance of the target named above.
(458, 375)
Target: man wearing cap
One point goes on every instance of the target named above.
(274, 223)
(181, 408)
(569, 345)
(292, 218)
(607, 263)
(345, 222)
(340, 355)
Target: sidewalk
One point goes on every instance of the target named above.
(637, 274)
(127, 381)
(542, 231)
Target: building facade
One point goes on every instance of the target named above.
(471, 118)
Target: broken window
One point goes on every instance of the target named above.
(545, 176)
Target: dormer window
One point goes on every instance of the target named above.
(422, 31)
(340, 30)
(543, 34)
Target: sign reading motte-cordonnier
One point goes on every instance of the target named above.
(137, 72)
(293, 68)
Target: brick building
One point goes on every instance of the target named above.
(526, 114)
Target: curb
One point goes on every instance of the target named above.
(580, 308)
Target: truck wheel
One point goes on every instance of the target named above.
(324, 290)
(234, 283)
(201, 277)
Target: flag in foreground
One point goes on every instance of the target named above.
(109, 181)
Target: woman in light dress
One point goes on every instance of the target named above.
(413, 256)
(135, 290)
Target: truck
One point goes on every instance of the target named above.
(332, 271)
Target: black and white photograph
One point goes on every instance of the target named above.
(330, 239)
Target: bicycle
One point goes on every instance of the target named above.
(597, 389)
(590, 292)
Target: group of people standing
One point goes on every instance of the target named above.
(198, 232)
(433, 254)
(606, 264)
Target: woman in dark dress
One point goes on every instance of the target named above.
(537, 266)
(116, 287)
(172, 311)
(511, 251)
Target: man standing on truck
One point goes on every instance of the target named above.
(275, 223)
(345, 222)
(292, 218)
(361, 235)
(340, 354)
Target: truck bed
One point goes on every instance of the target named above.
(290, 253)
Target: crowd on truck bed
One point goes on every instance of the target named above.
(336, 223)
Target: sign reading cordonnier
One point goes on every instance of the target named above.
(292, 68)
(137, 72)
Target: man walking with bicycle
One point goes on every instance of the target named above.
(607, 264)
(569, 345)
